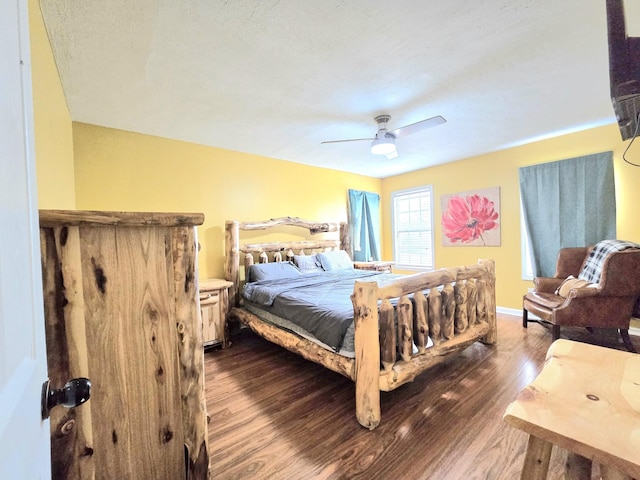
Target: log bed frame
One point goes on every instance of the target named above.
(460, 309)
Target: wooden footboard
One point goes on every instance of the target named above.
(454, 307)
(440, 312)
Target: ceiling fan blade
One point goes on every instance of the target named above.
(348, 140)
(418, 126)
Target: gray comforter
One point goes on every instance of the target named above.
(320, 302)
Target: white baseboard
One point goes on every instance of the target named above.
(509, 311)
(515, 312)
(635, 330)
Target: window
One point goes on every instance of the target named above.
(412, 218)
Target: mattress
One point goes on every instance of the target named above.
(346, 350)
(319, 304)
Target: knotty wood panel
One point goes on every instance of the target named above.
(190, 352)
(67, 356)
(135, 376)
(121, 307)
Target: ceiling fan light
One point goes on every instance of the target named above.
(383, 146)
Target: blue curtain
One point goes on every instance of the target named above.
(568, 203)
(364, 225)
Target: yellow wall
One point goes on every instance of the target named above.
(118, 170)
(500, 169)
(52, 122)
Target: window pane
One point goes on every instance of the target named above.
(413, 227)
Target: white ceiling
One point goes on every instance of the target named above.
(276, 78)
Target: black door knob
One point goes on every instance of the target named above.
(75, 392)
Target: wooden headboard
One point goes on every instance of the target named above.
(261, 252)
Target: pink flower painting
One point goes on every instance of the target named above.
(471, 218)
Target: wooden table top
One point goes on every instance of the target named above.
(213, 284)
(586, 399)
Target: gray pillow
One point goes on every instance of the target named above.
(307, 263)
(335, 260)
(272, 271)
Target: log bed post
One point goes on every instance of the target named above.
(405, 326)
(367, 353)
(387, 335)
(421, 325)
(472, 299)
(460, 295)
(435, 315)
(448, 311)
(232, 255)
(489, 287)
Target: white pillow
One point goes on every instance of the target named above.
(272, 271)
(307, 263)
(335, 260)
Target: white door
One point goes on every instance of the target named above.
(24, 437)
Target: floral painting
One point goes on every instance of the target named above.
(471, 218)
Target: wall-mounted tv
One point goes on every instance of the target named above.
(624, 70)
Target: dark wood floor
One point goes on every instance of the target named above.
(277, 416)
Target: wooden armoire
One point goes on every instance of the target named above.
(122, 309)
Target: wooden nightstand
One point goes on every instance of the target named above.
(214, 308)
(376, 266)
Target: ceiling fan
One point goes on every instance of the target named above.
(384, 143)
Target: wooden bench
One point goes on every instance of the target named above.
(586, 400)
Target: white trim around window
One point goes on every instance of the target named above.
(412, 227)
(525, 248)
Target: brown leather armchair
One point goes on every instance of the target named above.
(608, 304)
